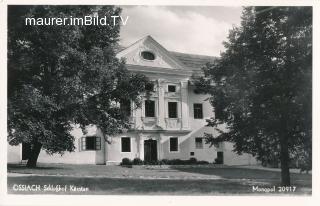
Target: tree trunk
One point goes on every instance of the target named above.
(34, 154)
(284, 159)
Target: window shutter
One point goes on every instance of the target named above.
(83, 143)
(98, 143)
(79, 145)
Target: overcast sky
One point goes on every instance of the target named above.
(188, 29)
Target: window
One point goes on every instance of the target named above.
(199, 144)
(91, 143)
(148, 55)
(125, 144)
(191, 153)
(125, 108)
(197, 111)
(173, 144)
(219, 159)
(149, 86)
(149, 108)
(172, 110)
(171, 88)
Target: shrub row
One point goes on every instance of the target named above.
(138, 161)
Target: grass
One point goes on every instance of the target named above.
(116, 180)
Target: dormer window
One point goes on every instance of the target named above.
(147, 55)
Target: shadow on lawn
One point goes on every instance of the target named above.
(253, 174)
(21, 167)
(112, 186)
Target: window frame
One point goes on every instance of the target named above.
(178, 149)
(176, 112)
(154, 108)
(130, 147)
(197, 143)
(126, 108)
(172, 86)
(194, 111)
(147, 52)
(97, 143)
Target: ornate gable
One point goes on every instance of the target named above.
(149, 53)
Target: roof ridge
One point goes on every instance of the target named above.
(199, 55)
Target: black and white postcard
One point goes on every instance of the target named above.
(159, 100)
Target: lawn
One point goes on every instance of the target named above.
(117, 180)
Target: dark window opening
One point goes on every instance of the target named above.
(171, 88)
(91, 143)
(148, 55)
(125, 144)
(173, 144)
(191, 153)
(219, 158)
(199, 144)
(149, 108)
(125, 107)
(172, 109)
(197, 111)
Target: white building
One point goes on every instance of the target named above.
(169, 125)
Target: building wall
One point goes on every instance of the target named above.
(160, 128)
(76, 157)
(113, 148)
(13, 154)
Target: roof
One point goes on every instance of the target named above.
(192, 61)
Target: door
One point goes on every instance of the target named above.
(150, 150)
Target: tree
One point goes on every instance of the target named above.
(261, 87)
(60, 76)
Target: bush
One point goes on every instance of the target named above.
(126, 161)
(217, 161)
(137, 161)
(193, 160)
(177, 162)
(202, 162)
(165, 162)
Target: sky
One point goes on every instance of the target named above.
(187, 29)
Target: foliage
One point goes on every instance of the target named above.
(261, 87)
(59, 76)
(218, 161)
(126, 161)
(137, 161)
(191, 161)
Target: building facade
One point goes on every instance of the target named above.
(170, 123)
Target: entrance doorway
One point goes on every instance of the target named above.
(150, 150)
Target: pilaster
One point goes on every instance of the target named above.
(184, 105)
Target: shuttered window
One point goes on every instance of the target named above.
(91, 143)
